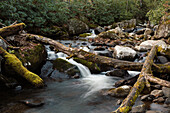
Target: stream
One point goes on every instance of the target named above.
(69, 96)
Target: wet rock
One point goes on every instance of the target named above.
(94, 68)
(156, 86)
(3, 44)
(118, 73)
(157, 93)
(130, 81)
(140, 31)
(147, 45)
(65, 67)
(145, 97)
(162, 59)
(121, 91)
(159, 100)
(148, 31)
(124, 53)
(76, 26)
(166, 91)
(33, 102)
(167, 101)
(109, 34)
(138, 109)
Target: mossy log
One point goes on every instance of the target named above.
(129, 101)
(14, 63)
(101, 60)
(12, 29)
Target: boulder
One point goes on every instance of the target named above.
(127, 25)
(157, 93)
(147, 45)
(121, 91)
(148, 31)
(76, 26)
(163, 29)
(117, 73)
(166, 91)
(124, 53)
(64, 66)
(167, 101)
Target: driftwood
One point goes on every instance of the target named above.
(12, 29)
(102, 60)
(16, 65)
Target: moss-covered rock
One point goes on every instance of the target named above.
(92, 66)
(32, 57)
(65, 67)
(76, 26)
(85, 34)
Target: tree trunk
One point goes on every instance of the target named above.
(127, 104)
(15, 64)
(101, 60)
(12, 29)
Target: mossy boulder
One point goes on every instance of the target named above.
(63, 66)
(76, 26)
(54, 32)
(32, 57)
(85, 34)
(92, 66)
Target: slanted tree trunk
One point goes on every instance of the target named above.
(129, 101)
(15, 64)
(12, 29)
(102, 60)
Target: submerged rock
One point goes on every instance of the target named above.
(124, 53)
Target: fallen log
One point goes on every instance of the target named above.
(129, 101)
(12, 29)
(15, 64)
(101, 60)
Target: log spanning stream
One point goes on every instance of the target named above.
(69, 96)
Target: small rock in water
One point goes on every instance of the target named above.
(33, 102)
(162, 59)
(118, 73)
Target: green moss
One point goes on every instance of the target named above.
(85, 34)
(14, 64)
(92, 66)
(92, 26)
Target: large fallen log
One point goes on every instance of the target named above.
(129, 101)
(15, 64)
(102, 60)
(12, 29)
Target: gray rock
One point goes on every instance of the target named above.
(3, 44)
(124, 53)
(118, 102)
(159, 100)
(166, 91)
(151, 111)
(162, 59)
(148, 31)
(145, 97)
(157, 93)
(167, 101)
(139, 109)
(76, 26)
(118, 73)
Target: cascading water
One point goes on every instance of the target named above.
(94, 82)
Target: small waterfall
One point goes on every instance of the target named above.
(93, 82)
